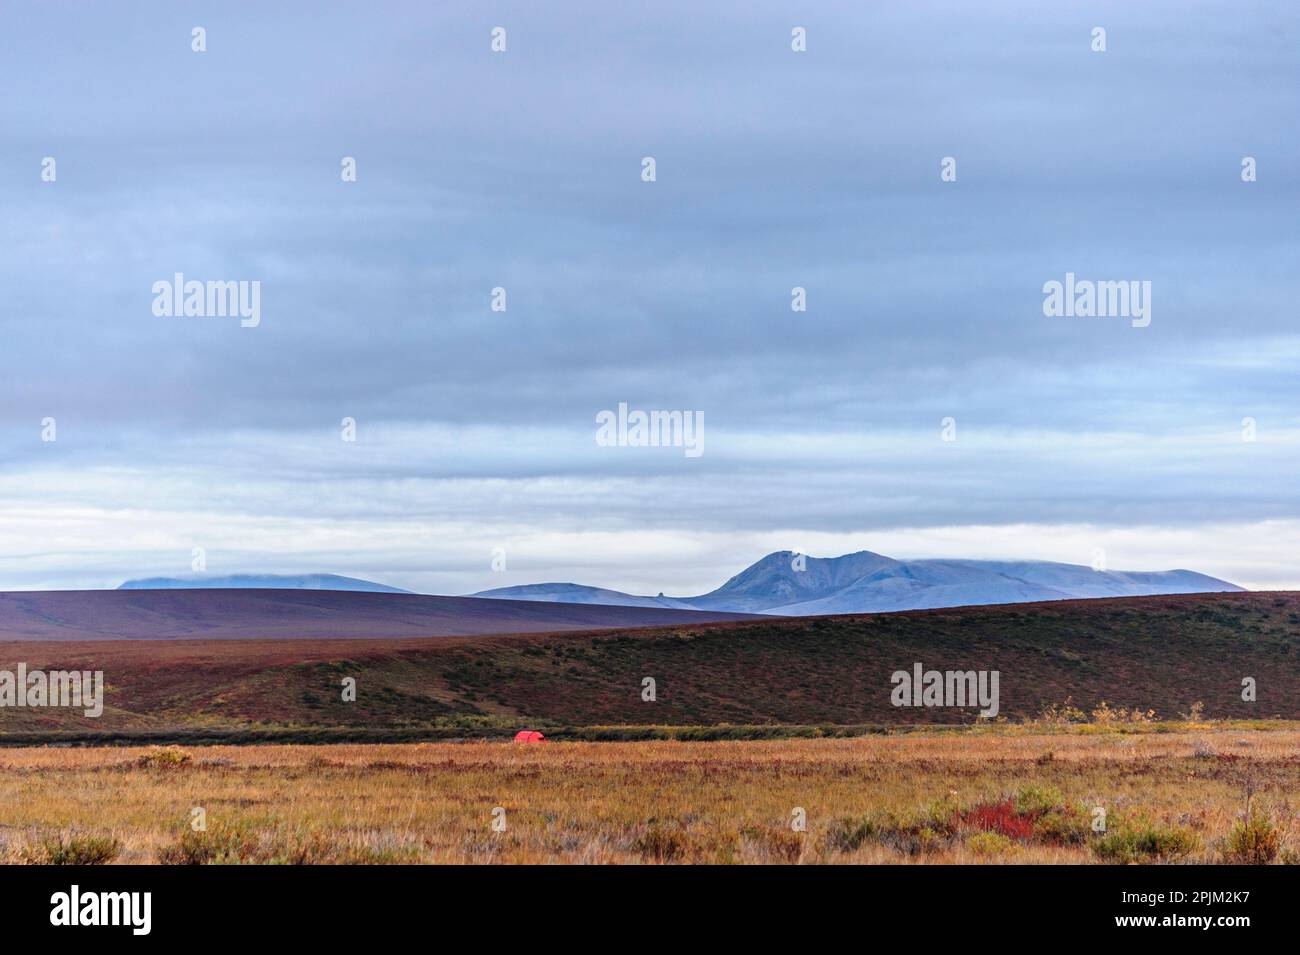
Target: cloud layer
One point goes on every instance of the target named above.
(521, 170)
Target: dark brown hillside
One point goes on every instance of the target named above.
(1164, 653)
(244, 614)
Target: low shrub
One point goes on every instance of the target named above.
(168, 758)
(1146, 842)
(217, 845)
(1063, 826)
(1000, 817)
(1036, 800)
(661, 844)
(73, 850)
(1105, 715)
(849, 835)
(1253, 841)
(777, 843)
(1062, 714)
(909, 834)
(990, 844)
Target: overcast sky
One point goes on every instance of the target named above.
(522, 170)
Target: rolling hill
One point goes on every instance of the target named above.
(1161, 652)
(299, 614)
(865, 582)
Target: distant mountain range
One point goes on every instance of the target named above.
(579, 594)
(787, 584)
(262, 582)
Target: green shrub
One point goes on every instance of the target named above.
(922, 840)
(990, 844)
(941, 813)
(1064, 826)
(1034, 800)
(1146, 842)
(848, 835)
(1253, 841)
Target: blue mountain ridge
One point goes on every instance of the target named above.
(785, 584)
(261, 582)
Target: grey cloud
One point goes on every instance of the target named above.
(775, 170)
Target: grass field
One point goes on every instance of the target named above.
(926, 797)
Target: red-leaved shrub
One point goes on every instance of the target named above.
(999, 817)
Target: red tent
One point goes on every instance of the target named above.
(529, 736)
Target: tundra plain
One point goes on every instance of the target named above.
(1021, 794)
(1124, 736)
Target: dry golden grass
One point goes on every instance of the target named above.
(637, 802)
